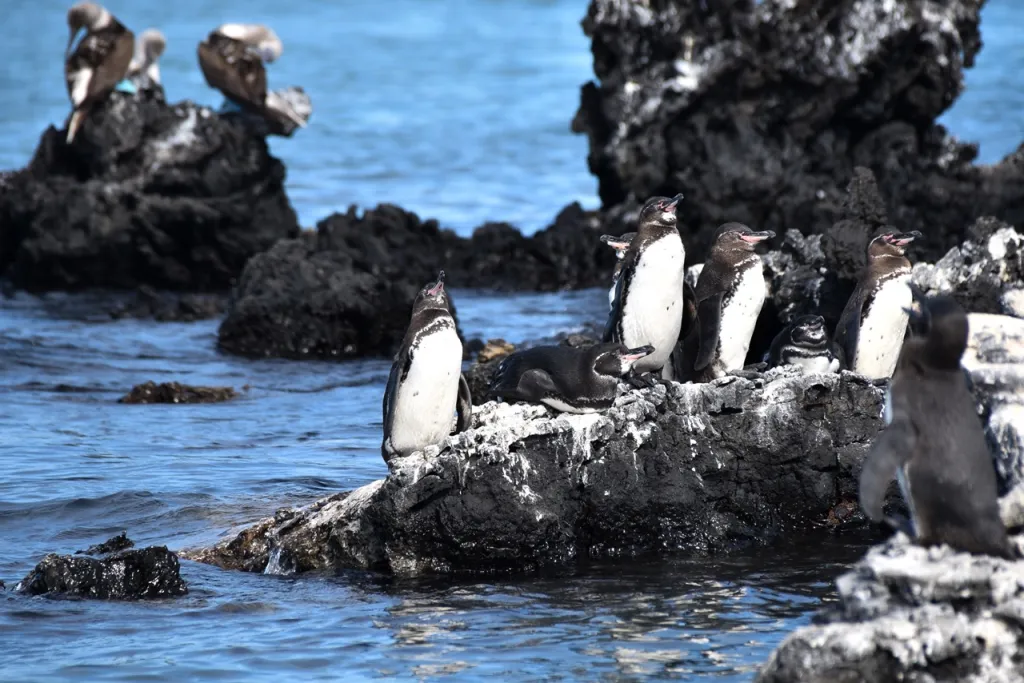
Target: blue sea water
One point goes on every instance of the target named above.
(459, 110)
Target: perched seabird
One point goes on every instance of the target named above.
(232, 60)
(98, 63)
(144, 71)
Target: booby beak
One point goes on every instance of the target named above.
(633, 355)
(439, 286)
(755, 237)
(71, 41)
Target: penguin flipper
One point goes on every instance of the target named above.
(464, 406)
(388, 404)
(535, 384)
(893, 447)
(709, 318)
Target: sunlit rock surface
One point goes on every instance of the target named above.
(907, 613)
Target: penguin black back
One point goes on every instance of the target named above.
(935, 444)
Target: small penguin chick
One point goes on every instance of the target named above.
(804, 342)
(935, 444)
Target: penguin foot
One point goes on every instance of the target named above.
(881, 382)
(747, 373)
(900, 523)
(644, 381)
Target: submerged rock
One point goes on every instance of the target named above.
(759, 112)
(696, 468)
(172, 392)
(145, 573)
(907, 613)
(170, 306)
(170, 196)
(345, 291)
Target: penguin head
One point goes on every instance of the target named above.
(620, 244)
(432, 296)
(660, 211)
(809, 329)
(88, 16)
(616, 360)
(891, 243)
(738, 237)
(942, 323)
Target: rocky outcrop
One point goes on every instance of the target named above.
(695, 467)
(907, 613)
(173, 392)
(169, 196)
(760, 111)
(124, 574)
(346, 290)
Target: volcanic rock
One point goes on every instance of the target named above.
(173, 392)
(907, 613)
(170, 196)
(759, 112)
(134, 574)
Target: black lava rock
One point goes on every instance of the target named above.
(136, 574)
(346, 290)
(172, 392)
(111, 545)
(171, 196)
(759, 111)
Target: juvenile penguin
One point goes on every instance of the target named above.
(874, 322)
(730, 292)
(232, 60)
(144, 69)
(935, 444)
(568, 379)
(98, 63)
(426, 388)
(804, 342)
(647, 309)
(620, 244)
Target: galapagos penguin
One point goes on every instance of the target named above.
(620, 244)
(98, 63)
(804, 342)
(934, 443)
(730, 292)
(568, 379)
(426, 388)
(647, 309)
(873, 324)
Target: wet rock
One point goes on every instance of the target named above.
(760, 111)
(173, 392)
(169, 196)
(345, 291)
(698, 468)
(135, 574)
(907, 613)
(166, 306)
(111, 545)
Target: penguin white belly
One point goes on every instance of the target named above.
(653, 310)
(425, 401)
(738, 319)
(815, 365)
(564, 407)
(882, 330)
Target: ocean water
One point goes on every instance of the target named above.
(459, 110)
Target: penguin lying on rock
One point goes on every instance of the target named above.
(568, 379)
(426, 387)
(804, 342)
(934, 442)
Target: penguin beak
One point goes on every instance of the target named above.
(616, 243)
(71, 41)
(902, 239)
(439, 287)
(674, 202)
(633, 355)
(754, 237)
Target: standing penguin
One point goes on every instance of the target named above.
(730, 292)
(621, 245)
(935, 444)
(98, 63)
(647, 309)
(568, 379)
(804, 342)
(872, 327)
(426, 387)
